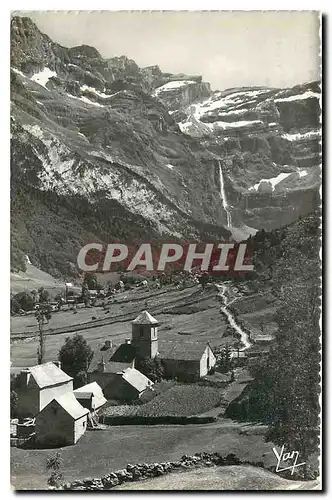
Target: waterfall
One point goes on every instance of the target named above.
(223, 197)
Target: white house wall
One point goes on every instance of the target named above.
(208, 354)
(50, 393)
(80, 426)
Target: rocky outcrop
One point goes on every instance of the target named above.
(177, 94)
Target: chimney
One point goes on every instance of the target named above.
(108, 344)
(127, 341)
(24, 378)
(57, 363)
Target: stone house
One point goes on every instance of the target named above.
(61, 422)
(127, 385)
(187, 361)
(38, 385)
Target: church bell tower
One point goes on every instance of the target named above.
(145, 335)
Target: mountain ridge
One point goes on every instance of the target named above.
(110, 140)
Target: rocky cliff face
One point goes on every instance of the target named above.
(268, 143)
(104, 150)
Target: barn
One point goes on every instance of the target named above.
(127, 385)
(186, 360)
(38, 385)
(62, 422)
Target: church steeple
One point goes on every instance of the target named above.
(145, 335)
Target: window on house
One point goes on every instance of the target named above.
(141, 332)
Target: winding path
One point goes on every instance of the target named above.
(244, 336)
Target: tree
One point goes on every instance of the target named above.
(43, 314)
(44, 295)
(294, 374)
(225, 361)
(90, 280)
(58, 298)
(75, 356)
(54, 464)
(25, 301)
(151, 368)
(85, 294)
(13, 403)
(14, 305)
(34, 294)
(81, 379)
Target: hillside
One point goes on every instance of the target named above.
(103, 150)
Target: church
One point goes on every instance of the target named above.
(187, 361)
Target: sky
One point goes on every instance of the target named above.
(229, 49)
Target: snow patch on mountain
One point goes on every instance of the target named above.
(273, 181)
(19, 72)
(94, 91)
(298, 97)
(302, 173)
(43, 77)
(172, 85)
(86, 100)
(219, 101)
(226, 125)
(312, 134)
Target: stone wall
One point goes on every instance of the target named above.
(139, 472)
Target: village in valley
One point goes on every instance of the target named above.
(135, 351)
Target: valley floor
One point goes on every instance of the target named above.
(188, 315)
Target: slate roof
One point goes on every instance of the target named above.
(91, 390)
(136, 379)
(145, 318)
(70, 404)
(125, 353)
(48, 374)
(116, 358)
(181, 351)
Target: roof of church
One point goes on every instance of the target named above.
(145, 318)
(181, 351)
(116, 358)
(124, 353)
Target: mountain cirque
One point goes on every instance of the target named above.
(103, 150)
